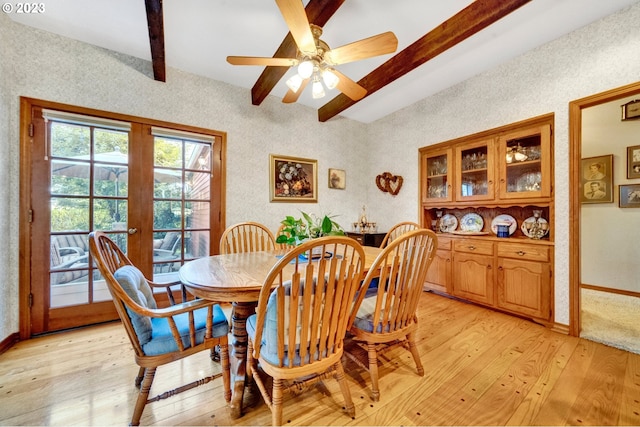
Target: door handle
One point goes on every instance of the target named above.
(132, 230)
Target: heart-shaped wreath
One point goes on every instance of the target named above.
(389, 183)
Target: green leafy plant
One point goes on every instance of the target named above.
(295, 230)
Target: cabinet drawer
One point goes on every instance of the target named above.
(444, 243)
(523, 251)
(474, 246)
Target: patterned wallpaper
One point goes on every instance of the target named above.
(595, 58)
(45, 66)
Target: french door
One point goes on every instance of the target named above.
(155, 188)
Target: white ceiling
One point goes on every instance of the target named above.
(199, 34)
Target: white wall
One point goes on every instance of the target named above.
(599, 57)
(609, 249)
(41, 65)
(9, 262)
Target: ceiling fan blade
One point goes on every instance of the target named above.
(366, 48)
(291, 96)
(350, 88)
(296, 18)
(256, 60)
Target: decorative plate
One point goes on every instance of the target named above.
(448, 223)
(504, 219)
(527, 227)
(471, 222)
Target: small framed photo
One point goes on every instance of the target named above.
(293, 179)
(633, 162)
(337, 179)
(630, 196)
(631, 110)
(597, 179)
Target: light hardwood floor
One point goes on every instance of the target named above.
(481, 368)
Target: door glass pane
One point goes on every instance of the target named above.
(524, 166)
(82, 155)
(437, 185)
(181, 207)
(474, 172)
(198, 244)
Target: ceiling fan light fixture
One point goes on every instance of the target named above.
(305, 69)
(330, 79)
(294, 82)
(317, 90)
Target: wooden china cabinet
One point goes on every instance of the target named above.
(471, 185)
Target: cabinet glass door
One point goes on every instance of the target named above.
(524, 157)
(437, 186)
(474, 173)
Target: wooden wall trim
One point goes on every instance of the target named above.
(575, 149)
(610, 290)
(8, 342)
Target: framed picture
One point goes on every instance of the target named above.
(633, 162)
(630, 196)
(293, 179)
(631, 110)
(597, 179)
(337, 179)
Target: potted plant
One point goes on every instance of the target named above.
(294, 231)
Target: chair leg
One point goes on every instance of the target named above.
(143, 395)
(373, 371)
(226, 371)
(413, 348)
(344, 387)
(276, 402)
(139, 378)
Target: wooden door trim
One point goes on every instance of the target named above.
(25, 234)
(575, 154)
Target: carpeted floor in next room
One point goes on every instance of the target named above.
(611, 319)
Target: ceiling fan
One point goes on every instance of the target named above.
(315, 60)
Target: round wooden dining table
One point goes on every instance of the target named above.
(237, 279)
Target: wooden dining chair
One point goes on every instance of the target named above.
(247, 237)
(398, 230)
(159, 335)
(385, 317)
(296, 336)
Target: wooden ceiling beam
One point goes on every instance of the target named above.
(155, 22)
(469, 21)
(318, 13)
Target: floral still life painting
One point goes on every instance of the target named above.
(293, 179)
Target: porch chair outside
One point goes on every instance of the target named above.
(247, 237)
(398, 230)
(159, 335)
(384, 317)
(301, 319)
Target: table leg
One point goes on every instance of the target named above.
(241, 311)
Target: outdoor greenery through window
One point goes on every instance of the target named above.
(90, 190)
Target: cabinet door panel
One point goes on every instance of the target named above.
(439, 273)
(473, 277)
(524, 159)
(474, 171)
(524, 287)
(436, 176)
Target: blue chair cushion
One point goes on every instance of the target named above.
(269, 350)
(135, 285)
(162, 340)
(364, 317)
(154, 334)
